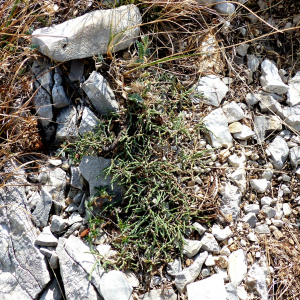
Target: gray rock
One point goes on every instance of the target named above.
(77, 199)
(71, 208)
(76, 178)
(189, 274)
(210, 90)
(251, 219)
(91, 167)
(211, 288)
(88, 122)
(74, 218)
(94, 33)
(51, 292)
(47, 251)
(75, 226)
(209, 243)
(269, 104)
(218, 131)
(252, 237)
(231, 292)
(75, 278)
(242, 49)
(279, 152)
(252, 208)
(60, 99)
(286, 209)
(191, 247)
(173, 268)
(267, 174)
(295, 156)
(46, 238)
(237, 267)
(225, 8)
(24, 272)
(100, 94)
(81, 207)
(268, 211)
(259, 185)
(270, 79)
(160, 294)
(257, 280)
(293, 94)
(66, 128)
(252, 62)
(114, 286)
(77, 68)
(262, 229)
(260, 127)
(291, 116)
(245, 134)
(43, 84)
(42, 208)
(233, 112)
(252, 99)
(221, 234)
(277, 223)
(205, 272)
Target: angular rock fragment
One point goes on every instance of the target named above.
(46, 238)
(293, 94)
(233, 112)
(100, 94)
(237, 268)
(279, 152)
(259, 185)
(191, 247)
(160, 294)
(211, 90)
(209, 243)
(245, 134)
(218, 131)
(88, 122)
(252, 62)
(295, 156)
(94, 33)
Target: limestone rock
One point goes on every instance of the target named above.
(46, 238)
(160, 294)
(88, 122)
(237, 268)
(191, 247)
(93, 33)
(293, 94)
(209, 243)
(233, 112)
(259, 185)
(279, 152)
(225, 8)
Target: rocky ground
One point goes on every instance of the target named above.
(226, 138)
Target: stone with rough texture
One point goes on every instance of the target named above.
(259, 185)
(88, 122)
(210, 90)
(46, 238)
(77, 69)
(291, 116)
(235, 127)
(217, 124)
(91, 167)
(252, 99)
(66, 128)
(76, 178)
(251, 219)
(237, 267)
(268, 104)
(59, 97)
(252, 208)
(231, 292)
(286, 209)
(209, 243)
(200, 228)
(211, 288)
(270, 79)
(52, 292)
(191, 247)
(279, 152)
(293, 94)
(24, 272)
(94, 33)
(101, 95)
(268, 211)
(233, 112)
(190, 273)
(252, 62)
(295, 156)
(58, 224)
(262, 229)
(174, 267)
(160, 294)
(225, 8)
(242, 49)
(245, 134)
(43, 84)
(221, 234)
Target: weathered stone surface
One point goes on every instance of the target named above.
(75, 278)
(210, 90)
(262, 229)
(242, 49)
(237, 268)
(235, 127)
(293, 94)
(66, 128)
(59, 96)
(295, 156)
(270, 79)
(268, 104)
(252, 62)
(217, 124)
(46, 238)
(279, 152)
(233, 112)
(174, 267)
(51, 292)
(77, 68)
(94, 33)
(88, 122)
(43, 84)
(245, 134)
(225, 8)
(200, 228)
(291, 116)
(91, 167)
(251, 219)
(209, 243)
(231, 292)
(251, 208)
(191, 247)
(221, 234)
(160, 294)
(259, 185)
(100, 94)
(252, 99)
(58, 224)
(190, 273)
(76, 178)
(211, 288)
(268, 211)
(23, 273)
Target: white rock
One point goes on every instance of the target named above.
(100, 94)
(191, 247)
(225, 8)
(266, 200)
(293, 94)
(233, 112)
(209, 243)
(242, 49)
(218, 131)
(210, 90)
(277, 223)
(88, 122)
(269, 104)
(94, 33)
(236, 161)
(252, 62)
(211, 288)
(286, 209)
(242, 293)
(245, 134)
(252, 99)
(231, 292)
(201, 229)
(270, 79)
(46, 238)
(259, 185)
(58, 224)
(267, 174)
(159, 294)
(190, 273)
(291, 116)
(131, 278)
(252, 208)
(173, 268)
(252, 237)
(262, 229)
(221, 234)
(237, 268)
(279, 152)
(210, 261)
(295, 156)
(225, 251)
